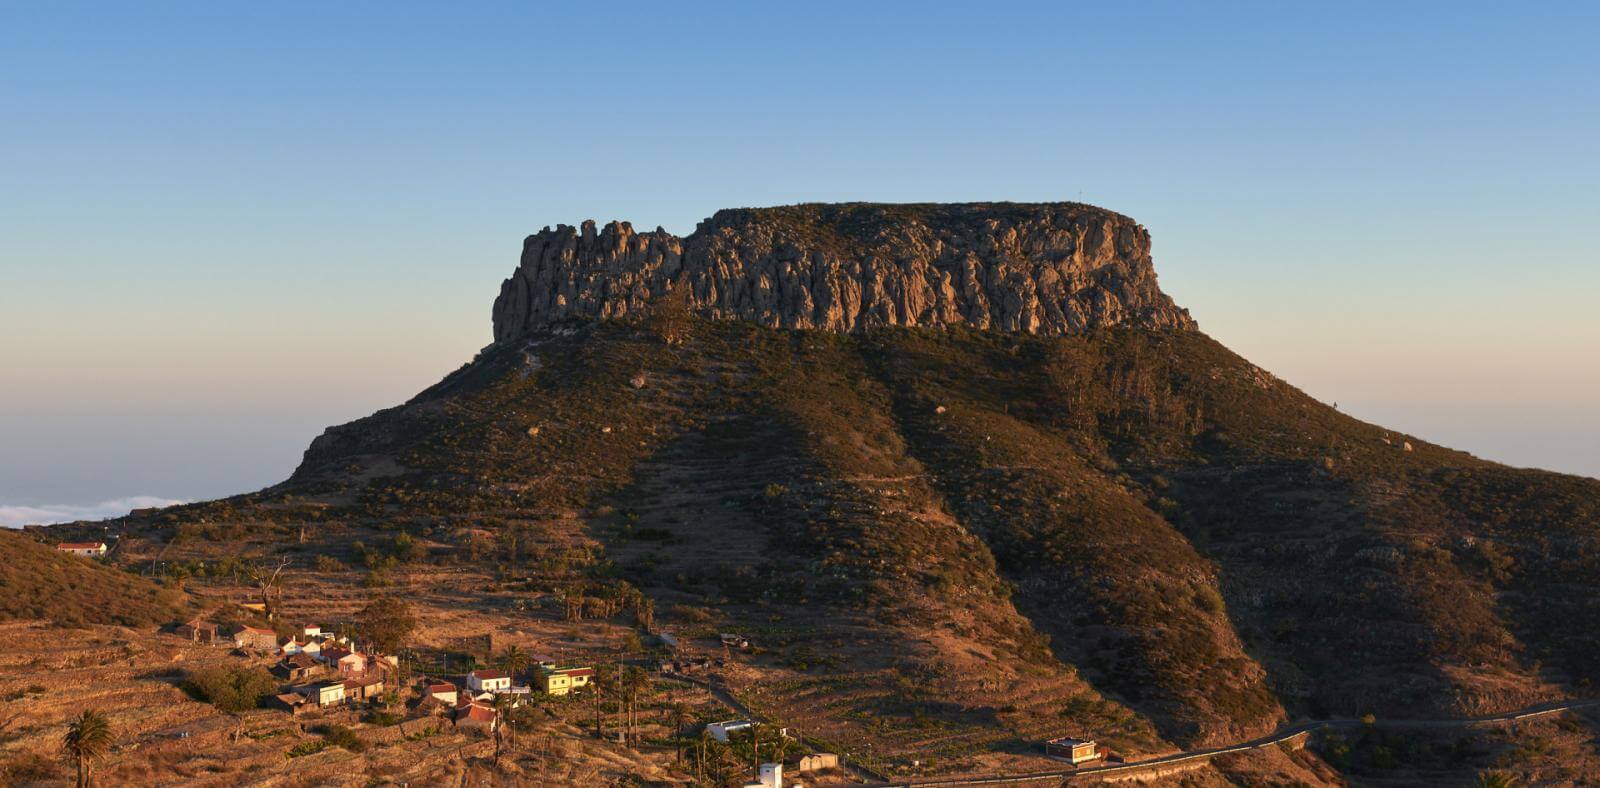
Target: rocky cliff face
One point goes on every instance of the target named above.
(1045, 268)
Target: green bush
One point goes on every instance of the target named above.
(308, 748)
(340, 736)
(230, 689)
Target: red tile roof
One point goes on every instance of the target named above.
(477, 713)
(80, 545)
(489, 674)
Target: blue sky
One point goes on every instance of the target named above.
(224, 227)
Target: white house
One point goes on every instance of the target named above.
(770, 776)
(327, 693)
(311, 649)
(720, 730)
(442, 691)
(86, 549)
(488, 681)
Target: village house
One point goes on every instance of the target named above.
(383, 663)
(255, 638)
(474, 716)
(770, 775)
(324, 694)
(481, 681)
(732, 640)
(432, 706)
(85, 549)
(560, 681)
(721, 730)
(296, 667)
(363, 688)
(310, 648)
(348, 663)
(817, 762)
(310, 631)
(293, 703)
(197, 630)
(442, 691)
(1074, 751)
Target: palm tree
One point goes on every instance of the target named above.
(599, 685)
(88, 740)
(1494, 779)
(514, 660)
(678, 714)
(635, 682)
(502, 721)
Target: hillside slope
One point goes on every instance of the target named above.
(1139, 520)
(954, 540)
(38, 581)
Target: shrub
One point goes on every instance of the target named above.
(327, 563)
(384, 718)
(230, 689)
(308, 748)
(29, 767)
(340, 736)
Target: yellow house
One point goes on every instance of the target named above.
(560, 681)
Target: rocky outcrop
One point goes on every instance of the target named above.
(1046, 268)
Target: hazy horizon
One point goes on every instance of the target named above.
(222, 233)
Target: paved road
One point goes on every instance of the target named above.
(1284, 733)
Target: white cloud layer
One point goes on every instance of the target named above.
(18, 516)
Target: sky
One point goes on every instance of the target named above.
(224, 227)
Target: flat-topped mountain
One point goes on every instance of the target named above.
(1042, 268)
(968, 480)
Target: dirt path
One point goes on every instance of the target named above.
(1281, 735)
(726, 698)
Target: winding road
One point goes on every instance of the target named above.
(1283, 734)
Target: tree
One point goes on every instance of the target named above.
(1496, 779)
(231, 688)
(603, 679)
(634, 682)
(645, 611)
(388, 622)
(671, 319)
(513, 660)
(88, 739)
(678, 715)
(502, 726)
(572, 602)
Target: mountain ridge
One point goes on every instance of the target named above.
(1038, 268)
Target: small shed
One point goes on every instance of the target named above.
(255, 638)
(818, 762)
(198, 631)
(291, 702)
(1074, 751)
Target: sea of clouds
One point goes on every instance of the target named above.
(18, 516)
